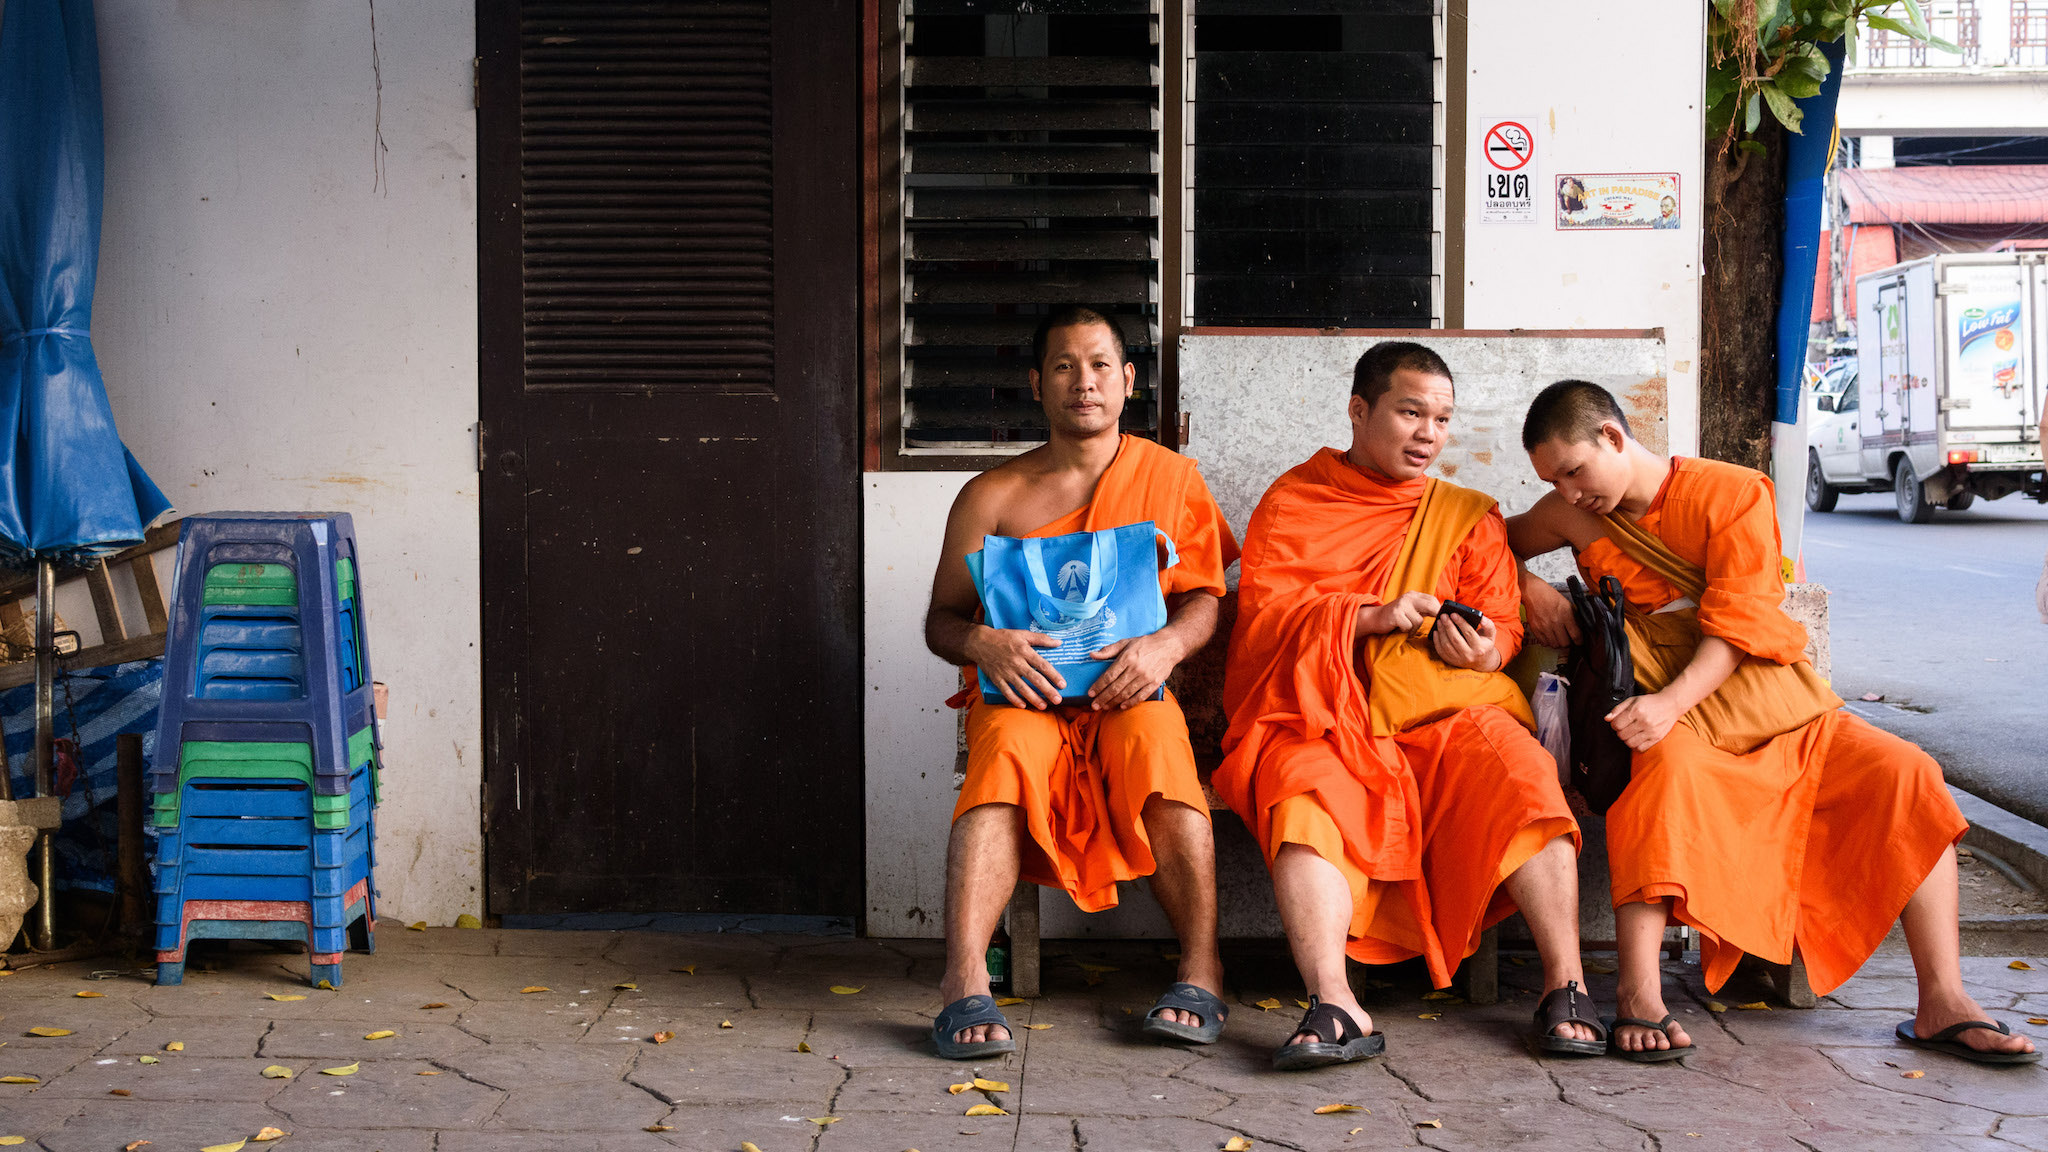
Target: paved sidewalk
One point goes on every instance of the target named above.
(478, 1062)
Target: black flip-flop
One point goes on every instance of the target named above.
(1329, 1025)
(965, 1013)
(1187, 997)
(1945, 1041)
(1575, 1008)
(1647, 1055)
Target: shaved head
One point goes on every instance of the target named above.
(1374, 372)
(1570, 411)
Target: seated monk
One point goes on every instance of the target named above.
(1392, 780)
(1756, 811)
(1079, 796)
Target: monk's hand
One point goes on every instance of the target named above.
(1009, 658)
(1641, 721)
(1462, 646)
(1138, 667)
(1404, 613)
(1551, 621)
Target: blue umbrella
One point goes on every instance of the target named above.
(69, 489)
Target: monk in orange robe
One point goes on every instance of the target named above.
(1080, 796)
(1392, 780)
(1820, 837)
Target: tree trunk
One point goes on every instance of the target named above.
(1741, 264)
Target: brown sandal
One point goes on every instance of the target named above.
(1569, 1005)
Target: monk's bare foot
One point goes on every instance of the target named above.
(1948, 1007)
(952, 989)
(1631, 1038)
(1569, 1029)
(1349, 1004)
(1204, 972)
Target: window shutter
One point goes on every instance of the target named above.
(646, 246)
(1030, 178)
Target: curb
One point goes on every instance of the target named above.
(2021, 846)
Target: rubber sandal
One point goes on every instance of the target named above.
(1187, 998)
(1576, 1008)
(1647, 1055)
(1329, 1025)
(967, 1012)
(1945, 1041)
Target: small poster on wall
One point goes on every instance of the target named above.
(1624, 200)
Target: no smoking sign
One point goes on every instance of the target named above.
(1505, 170)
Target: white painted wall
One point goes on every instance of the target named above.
(1604, 90)
(282, 328)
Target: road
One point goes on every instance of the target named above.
(1940, 619)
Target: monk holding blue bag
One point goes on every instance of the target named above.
(1072, 580)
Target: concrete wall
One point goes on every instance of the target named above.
(287, 319)
(1603, 90)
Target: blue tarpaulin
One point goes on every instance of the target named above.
(97, 706)
(69, 489)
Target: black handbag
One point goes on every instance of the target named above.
(1600, 676)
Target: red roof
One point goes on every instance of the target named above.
(1965, 194)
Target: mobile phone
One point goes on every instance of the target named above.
(1465, 612)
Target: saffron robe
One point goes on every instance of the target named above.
(1817, 838)
(1082, 778)
(1426, 811)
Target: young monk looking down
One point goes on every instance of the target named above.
(1080, 796)
(1392, 780)
(1818, 838)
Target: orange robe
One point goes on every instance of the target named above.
(1082, 778)
(1818, 837)
(1424, 817)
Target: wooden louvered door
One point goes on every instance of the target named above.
(669, 307)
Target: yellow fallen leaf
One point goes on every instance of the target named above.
(725, 1023)
(416, 926)
(802, 1046)
(1915, 1074)
(2022, 965)
(1006, 1001)
(1127, 1012)
(119, 1092)
(1430, 1016)
(1355, 1131)
(284, 996)
(435, 1004)
(10, 1141)
(49, 1031)
(687, 969)
(326, 985)
(2037, 1019)
(235, 1146)
(380, 1034)
(277, 1072)
(1237, 1144)
(532, 988)
(1043, 1027)
(1269, 1003)
(1439, 994)
(175, 1046)
(957, 1089)
(147, 1060)
(19, 1080)
(749, 1146)
(991, 1085)
(985, 1110)
(1328, 1109)
(659, 1128)
(821, 1121)
(1716, 1006)
(1098, 967)
(1303, 1003)
(843, 990)
(132, 1147)
(468, 921)
(1600, 966)
(429, 1072)
(1429, 1124)
(625, 987)
(344, 1070)
(1755, 1006)
(267, 1134)
(663, 1037)
(89, 995)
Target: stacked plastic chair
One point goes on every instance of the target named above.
(266, 771)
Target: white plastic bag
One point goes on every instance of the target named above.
(1553, 723)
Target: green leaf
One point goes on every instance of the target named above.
(1753, 147)
(1753, 113)
(1918, 17)
(1721, 84)
(1768, 12)
(1782, 107)
(1887, 24)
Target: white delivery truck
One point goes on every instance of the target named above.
(1951, 355)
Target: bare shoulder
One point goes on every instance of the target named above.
(1552, 523)
(985, 496)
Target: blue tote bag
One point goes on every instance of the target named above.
(1087, 590)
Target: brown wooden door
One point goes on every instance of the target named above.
(668, 262)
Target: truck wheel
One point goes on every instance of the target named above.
(1911, 494)
(1960, 499)
(1820, 495)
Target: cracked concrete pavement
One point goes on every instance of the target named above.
(764, 1051)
